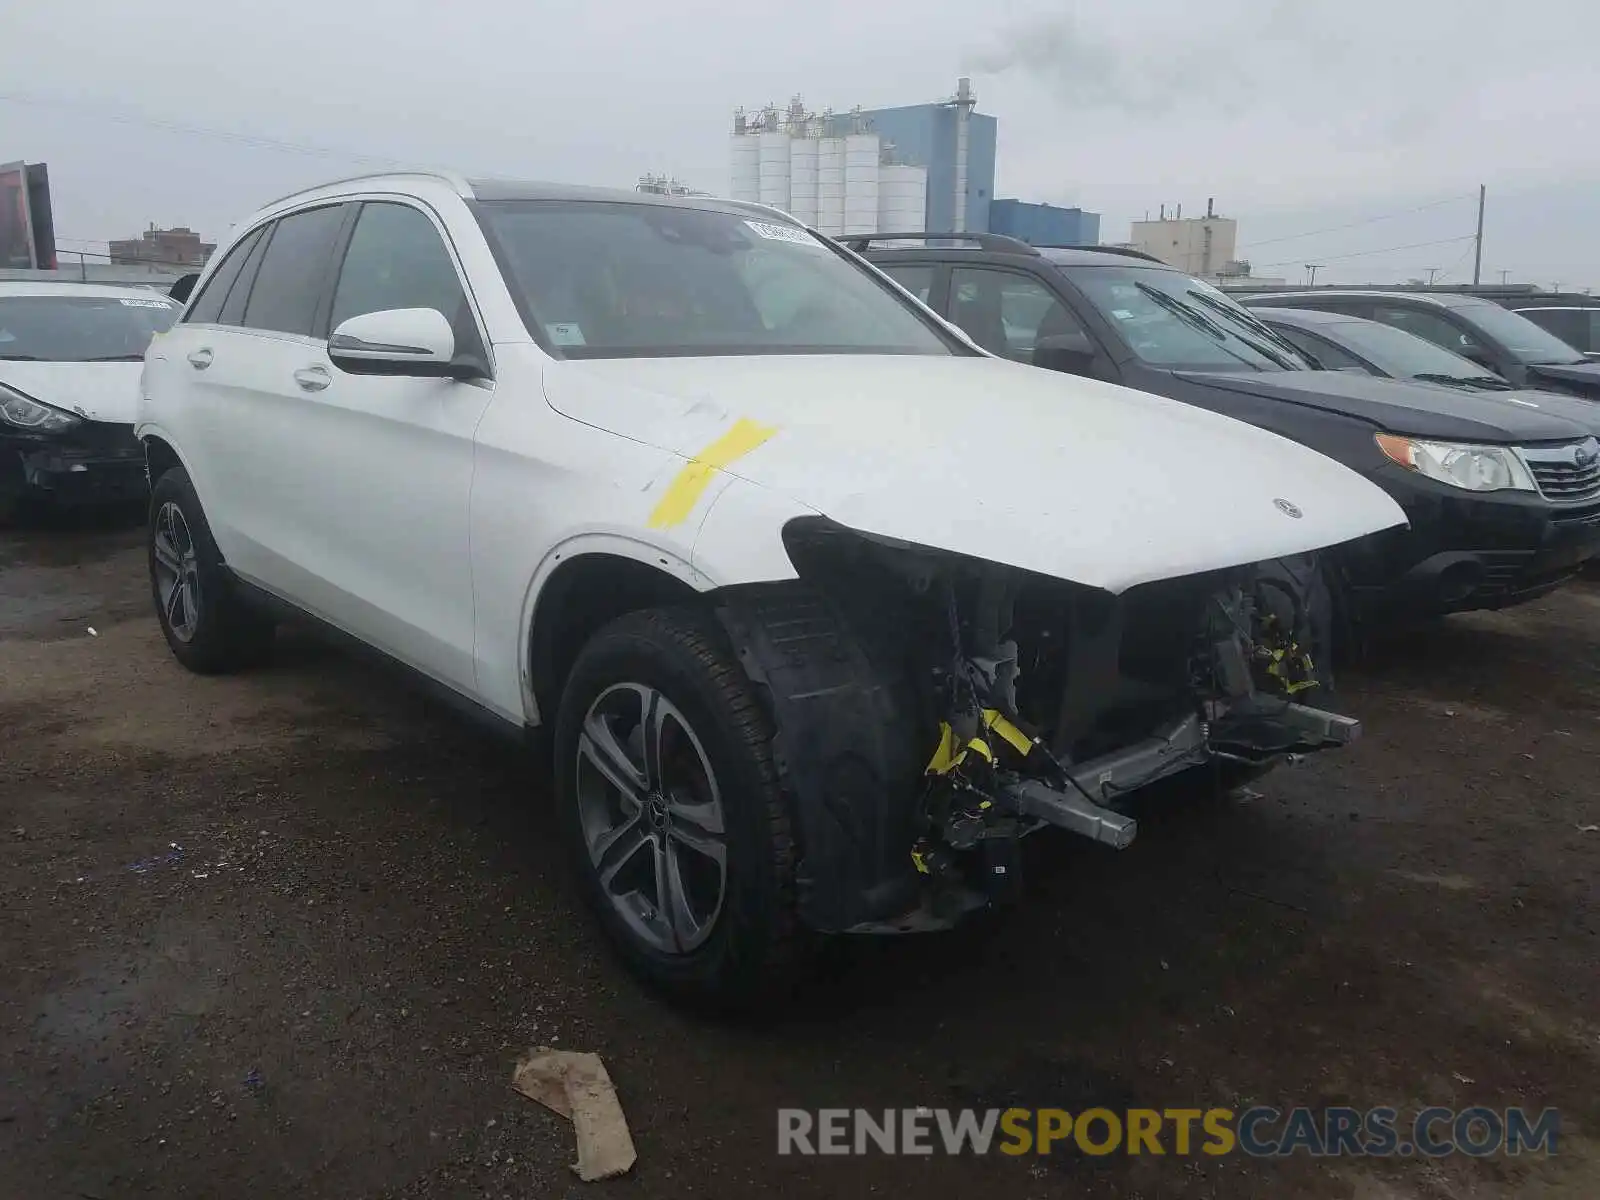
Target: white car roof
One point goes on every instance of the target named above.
(101, 291)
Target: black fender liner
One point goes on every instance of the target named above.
(846, 749)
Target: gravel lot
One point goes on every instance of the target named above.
(286, 934)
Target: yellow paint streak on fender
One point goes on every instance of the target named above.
(684, 492)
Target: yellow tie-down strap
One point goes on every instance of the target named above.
(684, 492)
(1276, 669)
(948, 755)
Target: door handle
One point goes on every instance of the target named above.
(200, 359)
(313, 379)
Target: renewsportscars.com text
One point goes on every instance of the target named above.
(1260, 1132)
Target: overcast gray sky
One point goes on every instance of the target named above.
(1297, 115)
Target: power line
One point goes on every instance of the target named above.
(124, 116)
(1366, 221)
(1451, 269)
(1327, 258)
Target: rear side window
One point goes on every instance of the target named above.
(207, 306)
(917, 280)
(239, 294)
(1007, 313)
(289, 283)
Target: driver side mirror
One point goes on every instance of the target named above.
(1073, 353)
(398, 341)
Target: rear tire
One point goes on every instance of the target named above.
(672, 811)
(208, 627)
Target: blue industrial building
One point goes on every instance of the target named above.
(931, 136)
(1044, 224)
(928, 135)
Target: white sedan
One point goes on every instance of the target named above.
(70, 357)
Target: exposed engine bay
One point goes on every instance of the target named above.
(932, 709)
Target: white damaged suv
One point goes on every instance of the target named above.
(824, 608)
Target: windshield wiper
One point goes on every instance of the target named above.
(1487, 383)
(1192, 317)
(1255, 326)
(114, 358)
(1181, 310)
(21, 358)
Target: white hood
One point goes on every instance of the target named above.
(1068, 477)
(96, 391)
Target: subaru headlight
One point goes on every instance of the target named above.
(1472, 468)
(19, 412)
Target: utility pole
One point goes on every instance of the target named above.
(1432, 272)
(1504, 275)
(1477, 242)
(1312, 268)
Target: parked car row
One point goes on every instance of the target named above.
(822, 597)
(1501, 488)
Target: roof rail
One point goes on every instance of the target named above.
(859, 242)
(1125, 251)
(453, 178)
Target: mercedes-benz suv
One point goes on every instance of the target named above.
(821, 606)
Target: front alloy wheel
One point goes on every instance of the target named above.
(672, 809)
(651, 816)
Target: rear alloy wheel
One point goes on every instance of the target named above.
(207, 625)
(672, 811)
(175, 572)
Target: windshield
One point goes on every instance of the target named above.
(1402, 353)
(1516, 333)
(81, 328)
(1169, 319)
(613, 279)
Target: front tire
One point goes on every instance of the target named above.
(672, 810)
(208, 627)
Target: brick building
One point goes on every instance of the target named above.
(180, 247)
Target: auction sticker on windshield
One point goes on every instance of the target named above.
(783, 233)
(144, 303)
(565, 333)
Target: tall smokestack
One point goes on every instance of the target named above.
(966, 101)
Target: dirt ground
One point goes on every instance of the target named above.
(286, 935)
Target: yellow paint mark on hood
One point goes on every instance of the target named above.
(684, 492)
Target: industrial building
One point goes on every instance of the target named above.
(666, 185)
(180, 247)
(1044, 224)
(1201, 246)
(903, 170)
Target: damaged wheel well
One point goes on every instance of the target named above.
(583, 595)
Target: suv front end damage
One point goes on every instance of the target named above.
(932, 709)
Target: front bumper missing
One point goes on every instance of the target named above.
(96, 463)
(1253, 730)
